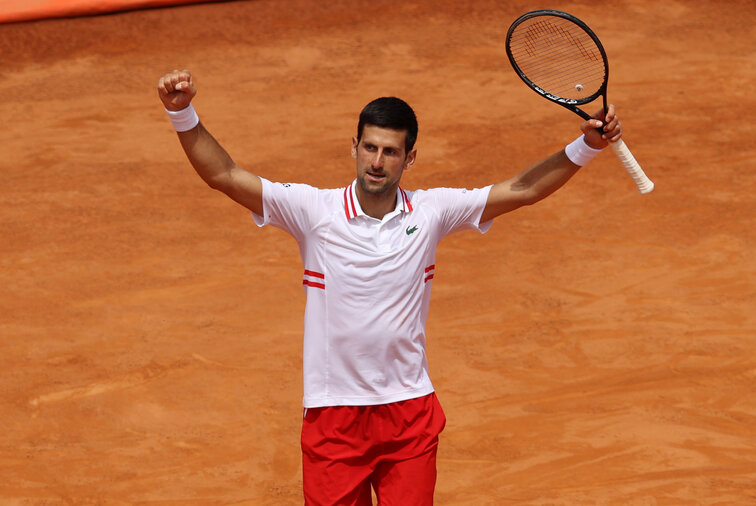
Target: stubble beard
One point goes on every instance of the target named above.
(377, 189)
(370, 188)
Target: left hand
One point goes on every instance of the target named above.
(602, 129)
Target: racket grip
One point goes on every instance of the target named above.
(644, 184)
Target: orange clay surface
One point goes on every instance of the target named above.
(597, 348)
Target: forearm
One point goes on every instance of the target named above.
(207, 156)
(218, 170)
(213, 164)
(541, 179)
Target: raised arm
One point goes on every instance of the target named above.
(213, 164)
(545, 177)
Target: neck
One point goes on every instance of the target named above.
(377, 205)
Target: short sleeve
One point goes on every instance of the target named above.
(461, 209)
(287, 206)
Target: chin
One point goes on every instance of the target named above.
(374, 188)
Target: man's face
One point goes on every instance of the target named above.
(381, 159)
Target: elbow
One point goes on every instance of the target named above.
(215, 183)
(524, 193)
(529, 197)
(221, 181)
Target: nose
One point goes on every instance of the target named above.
(377, 162)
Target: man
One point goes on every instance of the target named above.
(371, 415)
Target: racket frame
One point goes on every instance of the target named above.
(568, 103)
(644, 184)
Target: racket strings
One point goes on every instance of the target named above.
(535, 34)
(559, 57)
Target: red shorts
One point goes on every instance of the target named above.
(391, 447)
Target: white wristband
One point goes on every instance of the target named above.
(579, 152)
(185, 119)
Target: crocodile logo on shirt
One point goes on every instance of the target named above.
(411, 231)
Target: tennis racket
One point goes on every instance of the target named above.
(560, 58)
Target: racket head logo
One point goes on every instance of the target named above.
(555, 98)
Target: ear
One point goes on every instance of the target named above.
(409, 160)
(354, 147)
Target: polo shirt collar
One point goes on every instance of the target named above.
(352, 205)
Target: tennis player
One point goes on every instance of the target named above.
(371, 417)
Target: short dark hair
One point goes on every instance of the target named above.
(390, 112)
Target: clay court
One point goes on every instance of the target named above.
(597, 348)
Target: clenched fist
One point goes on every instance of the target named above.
(176, 90)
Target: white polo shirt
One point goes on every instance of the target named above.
(368, 285)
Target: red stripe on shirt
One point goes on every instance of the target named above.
(430, 268)
(406, 200)
(428, 278)
(346, 203)
(351, 201)
(314, 274)
(313, 284)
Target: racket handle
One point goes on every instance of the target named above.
(644, 184)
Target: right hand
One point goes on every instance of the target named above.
(176, 90)
(602, 129)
